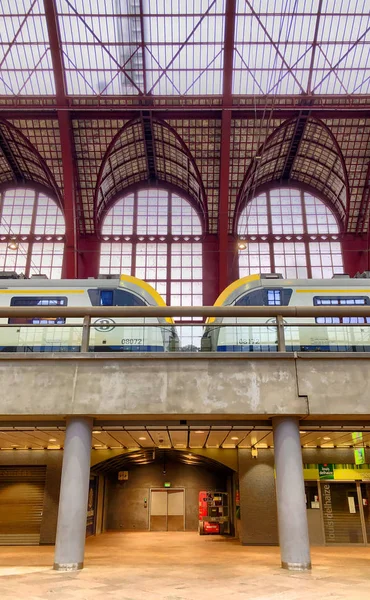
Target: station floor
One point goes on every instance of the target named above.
(182, 566)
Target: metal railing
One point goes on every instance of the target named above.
(272, 329)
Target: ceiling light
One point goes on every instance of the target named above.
(303, 432)
(142, 438)
(98, 445)
(52, 440)
(199, 431)
(242, 245)
(234, 438)
(326, 438)
(13, 244)
(258, 157)
(95, 432)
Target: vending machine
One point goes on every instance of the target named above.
(214, 513)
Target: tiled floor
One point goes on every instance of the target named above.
(182, 566)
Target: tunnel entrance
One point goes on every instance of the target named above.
(158, 490)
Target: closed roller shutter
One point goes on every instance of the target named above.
(341, 511)
(21, 505)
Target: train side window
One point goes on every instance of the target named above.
(341, 301)
(37, 301)
(328, 320)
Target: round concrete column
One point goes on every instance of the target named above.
(291, 503)
(74, 490)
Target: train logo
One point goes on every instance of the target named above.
(104, 325)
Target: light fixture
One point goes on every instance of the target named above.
(234, 438)
(95, 432)
(142, 438)
(254, 452)
(326, 438)
(98, 445)
(242, 245)
(199, 431)
(303, 432)
(13, 244)
(258, 156)
(52, 440)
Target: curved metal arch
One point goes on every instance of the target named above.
(200, 205)
(243, 198)
(124, 459)
(54, 188)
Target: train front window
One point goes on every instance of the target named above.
(106, 297)
(273, 297)
(38, 301)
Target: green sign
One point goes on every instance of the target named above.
(359, 456)
(167, 484)
(326, 471)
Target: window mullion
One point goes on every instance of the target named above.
(32, 236)
(305, 236)
(271, 238)
(134, 236)
(169, 249)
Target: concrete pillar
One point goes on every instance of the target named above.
(74, 490)
(291, 503)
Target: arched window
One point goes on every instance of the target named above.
(156, 236)
(292, 232)
(31, 233)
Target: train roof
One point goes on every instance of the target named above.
(128, 282)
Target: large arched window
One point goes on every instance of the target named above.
(292, 232)
(156, 236)
(31, 233)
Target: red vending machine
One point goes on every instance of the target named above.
(213, 513)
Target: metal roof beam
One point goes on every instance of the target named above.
(149, 145)
(66, 142)
(223, 216)
(295, 143)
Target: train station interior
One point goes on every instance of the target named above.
(184, 299)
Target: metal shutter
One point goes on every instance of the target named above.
(21, 505)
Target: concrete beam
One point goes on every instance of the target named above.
(266, 385)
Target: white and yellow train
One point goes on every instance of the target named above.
(106, 335)
(329, 334)
(242, 335)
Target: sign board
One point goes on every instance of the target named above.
(326, 471)
(167, 484)
(359, 456)
(122, 475)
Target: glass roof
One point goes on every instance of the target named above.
(176, 47)
(167, 47)
(25, 60)
(293, 47)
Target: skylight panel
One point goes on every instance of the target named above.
(25, 60)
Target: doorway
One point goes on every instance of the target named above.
(167, 510)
